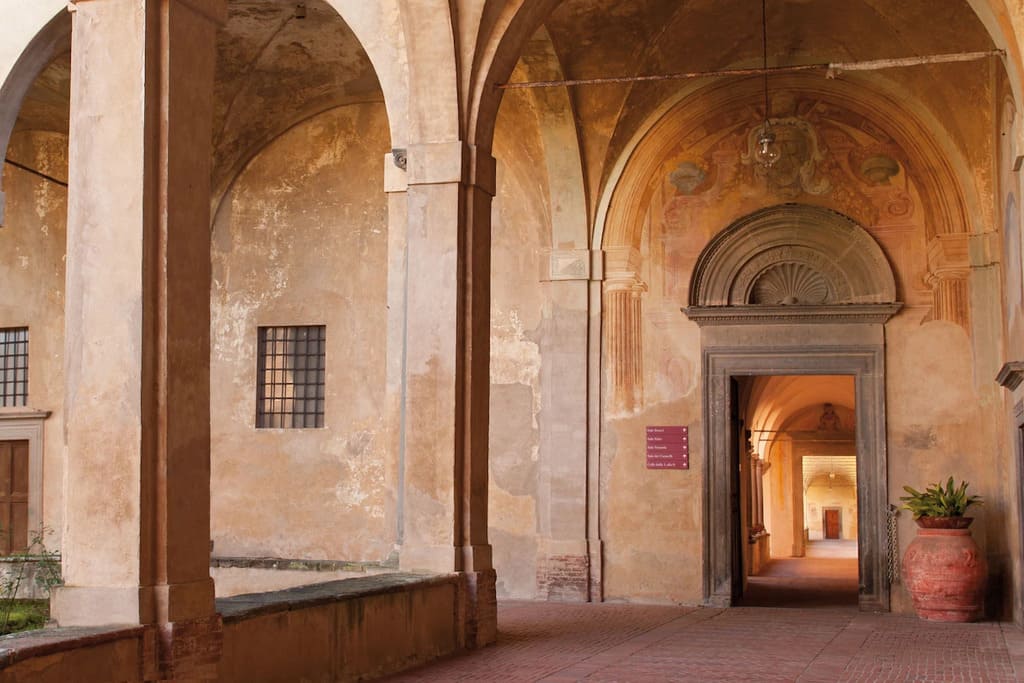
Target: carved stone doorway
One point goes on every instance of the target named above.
(793, 290)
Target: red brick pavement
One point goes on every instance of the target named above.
(559, 642)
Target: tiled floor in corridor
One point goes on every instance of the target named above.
(638, 644)
(801, 623)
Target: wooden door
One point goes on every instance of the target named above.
(832, 523)
(13, 496)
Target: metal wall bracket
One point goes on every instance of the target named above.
(400, 157)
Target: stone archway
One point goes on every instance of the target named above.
(794, 289)
(53, 40)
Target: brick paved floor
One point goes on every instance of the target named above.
(557, 642)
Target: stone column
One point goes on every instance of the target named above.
(136, 535)
(395, 185)
(798, 503)
(563, 562)
(758, 491)
(451, 186)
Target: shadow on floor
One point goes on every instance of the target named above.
(826, 577)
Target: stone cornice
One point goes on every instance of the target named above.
(787, 315)
(1011, 374)
(21, 413)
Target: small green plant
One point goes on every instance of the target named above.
(17, 614)
(939, 501)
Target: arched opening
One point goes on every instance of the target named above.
(300, 239)
(305, 470)
(33, 207)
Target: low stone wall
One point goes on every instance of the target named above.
(31, 574)
(348, 630)
(60, 655)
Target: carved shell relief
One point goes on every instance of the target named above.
(790, 284)
(792, 254)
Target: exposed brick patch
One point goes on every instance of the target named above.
(564, 578)
(190, 650)
(487, 608)
(480, 606)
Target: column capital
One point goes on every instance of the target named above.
(949, 251)
(564, 264)
(437, 163)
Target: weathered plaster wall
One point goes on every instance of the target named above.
(941, 424)
(939, 417)
(301, 239)
(32, 244)
(699, 178)
(1011, 261)
(521, 226)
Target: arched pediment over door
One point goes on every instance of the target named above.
(792, 261)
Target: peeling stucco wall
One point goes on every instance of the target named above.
(520, 228)
(941, 411)
(32, 246)
(301, 239)
(940, 403)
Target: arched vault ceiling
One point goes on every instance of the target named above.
(773, 401)
(275, 69)
(45, 106)
(597, 38)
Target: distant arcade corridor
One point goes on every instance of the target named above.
(799, 478)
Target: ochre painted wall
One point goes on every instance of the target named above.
(521, 226)
(32, 245)
(301, 239)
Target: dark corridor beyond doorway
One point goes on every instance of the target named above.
(826, 577)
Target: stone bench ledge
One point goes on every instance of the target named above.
(241, 607)
(17, 647)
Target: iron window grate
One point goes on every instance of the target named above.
(13, 366)
(290, 372)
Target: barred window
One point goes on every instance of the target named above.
(13, 366)
(290, 377)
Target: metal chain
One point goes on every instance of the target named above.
(892, 545)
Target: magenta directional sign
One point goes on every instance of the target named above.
(668, 448)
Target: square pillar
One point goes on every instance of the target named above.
(564, 558)
(137, 350)
(447, 340)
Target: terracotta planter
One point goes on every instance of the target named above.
(945, 570)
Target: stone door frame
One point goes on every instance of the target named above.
(26, 424)
(866, 363)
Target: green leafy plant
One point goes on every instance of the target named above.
(17, 614)
(939, 501)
